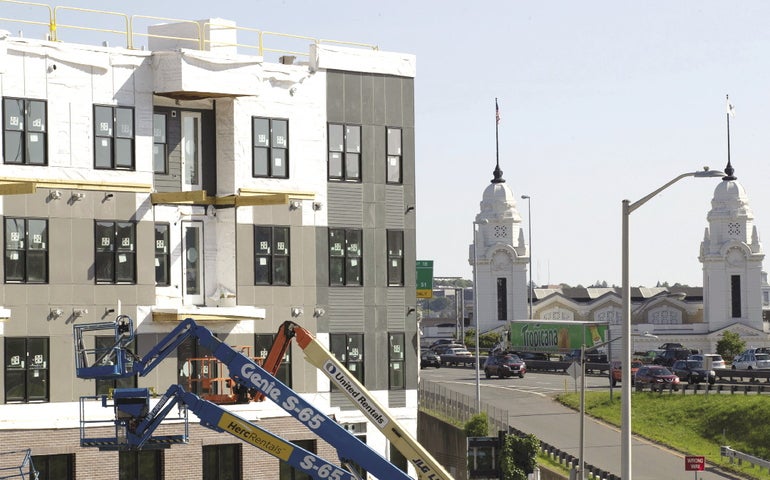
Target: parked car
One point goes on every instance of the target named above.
(712, 361)
(428, 358)
(656, 377)
(616, 373)
(592, 355)
(693, 371)
(532, 355)
(668, 357)
(457, 356)
(670, 345)
(439, 349)
(504, 366)
(750, 361)
(443, 341)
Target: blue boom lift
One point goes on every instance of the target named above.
(135, 422)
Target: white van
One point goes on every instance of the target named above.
(709, 361)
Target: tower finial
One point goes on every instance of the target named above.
(729, 168)
(497, 173)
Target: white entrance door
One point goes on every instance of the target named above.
(192, 263)
(191, 151)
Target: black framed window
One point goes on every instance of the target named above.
(348, 348)
(25, 131)
(396, 372)
(159, 143)
(162, 255)
(140, 464)
(393, 155)
(287, 472)
(26, 250)
(395, 258)
(735, 296)
(113, 137)
(262, 344)
(344, 152)
(27, 365)
(502, 298)
(345, 257)
(103, 386)
(222, 462)
(193, 365)
(270, 147)
(272, 262)
(115, 252)
(54, 467)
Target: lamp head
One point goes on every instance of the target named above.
(708, 173)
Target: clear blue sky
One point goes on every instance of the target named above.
(600, 101)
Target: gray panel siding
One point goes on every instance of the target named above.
(345, 204)
(396, 309)
(395, 207)
(346, 309)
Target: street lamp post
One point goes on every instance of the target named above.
(625, 394)
(581, 453)
(476, 315)
(529, 232)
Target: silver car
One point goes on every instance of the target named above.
(751, 361)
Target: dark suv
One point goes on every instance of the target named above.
(504, 366)
(668, 357)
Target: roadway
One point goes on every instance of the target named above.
(532, 409)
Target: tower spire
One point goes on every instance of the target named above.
(729, 168)
(497, 173)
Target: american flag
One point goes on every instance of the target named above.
(497, 112)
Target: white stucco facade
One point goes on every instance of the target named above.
(732, 256)
(500, 257)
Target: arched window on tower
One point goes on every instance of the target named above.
(502, 298)
(735, 292)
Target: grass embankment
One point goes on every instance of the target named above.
(692, 424)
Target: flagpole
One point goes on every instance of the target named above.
(497, 130)
(728, 128)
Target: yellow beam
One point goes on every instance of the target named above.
(18, 188)
(77, 185)
(195, 197)
(295, 195)
(272, 199)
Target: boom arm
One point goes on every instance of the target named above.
(325, 361)
(248, 373)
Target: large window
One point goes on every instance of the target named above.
(24, 131)
(270, 145)
(262, 344)
(393, 155)
(140, 465)
(159, 144)
(287, 472)
(502, 298)
(395, 258)
(113, 137)
(344, 152)
(345, 257)
(735, 296)
(115, 255)
(195, 367)
(162, 255)
(103, 386)
(222, 462)
(54, 467)
(26, 369)
(271, 252)
(396, 372)
(26, 250)
(348, 348)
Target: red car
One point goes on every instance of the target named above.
(504, 366)
(616, 373)
(656, 377)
